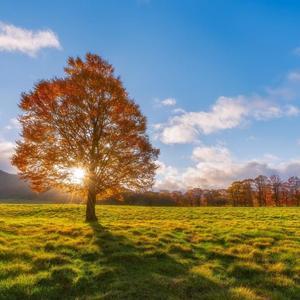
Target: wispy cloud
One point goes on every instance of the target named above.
(231, 112)
(165, 102)
(30, 42)
(168, 102)
(226, 113)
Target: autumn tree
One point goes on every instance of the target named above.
(214, 197)
(293, 184)
(177, 197)
(276, 185)
(235, 192)
(193, 197)
(84, 120)
(285, 193)
(261, 183)
(197, 195)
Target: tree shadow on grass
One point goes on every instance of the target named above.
(130, 272)
(114, 267)
(250, 273)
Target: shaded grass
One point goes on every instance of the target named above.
(48, 252)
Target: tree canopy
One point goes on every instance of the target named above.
(84, 120)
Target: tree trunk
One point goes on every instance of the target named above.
(91, 205)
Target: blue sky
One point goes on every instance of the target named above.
(218, 80)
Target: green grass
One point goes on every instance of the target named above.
(48, 252)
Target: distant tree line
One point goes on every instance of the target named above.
(260, 191)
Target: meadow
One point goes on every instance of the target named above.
(49, 252)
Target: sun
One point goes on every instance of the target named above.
(77, 175)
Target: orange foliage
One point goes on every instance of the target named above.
(85, 120)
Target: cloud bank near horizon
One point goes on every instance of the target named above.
(216, 167)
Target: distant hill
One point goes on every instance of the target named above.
(14, 189)
(11, 186)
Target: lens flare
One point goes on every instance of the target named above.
(77, 175)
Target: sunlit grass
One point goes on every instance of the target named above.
(48, 252)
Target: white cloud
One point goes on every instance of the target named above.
(6, 150)
(215, 154)
(215, 167)
(264, 110)
(6, 145)
(168, 102)
(18, 39)
(226, 113)
(178, 111)
(167, 177)
(231, 112)
(163, 169)
(156, 126)
(178, 134)
(209, 175)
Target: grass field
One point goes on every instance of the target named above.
(48, 252)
